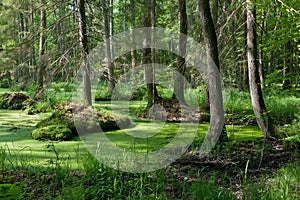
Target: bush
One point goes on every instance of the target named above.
(52, 132)
(139, 94)
(34, 107)
(13, 101)
(4, 83)
(292, 141)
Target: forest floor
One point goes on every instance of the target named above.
(245, 167)
(229, 165)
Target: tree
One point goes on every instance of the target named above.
(147, 56)
(41, 67)
(263, 119)
(181, 65)
(108, 31)
(132, 26)
(83, 40)
(211, 44)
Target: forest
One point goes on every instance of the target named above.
(150, 99)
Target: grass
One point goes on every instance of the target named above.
(285, 184)
(66, 170)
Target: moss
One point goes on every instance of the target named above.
(63, 116)
(52, 132)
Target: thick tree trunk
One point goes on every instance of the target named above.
(210, 38)
(87, 96)
(181, 65)
(147, 56)
(41, 67)
(258, 104)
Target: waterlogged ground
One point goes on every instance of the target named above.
(243, 161)
(16, 127)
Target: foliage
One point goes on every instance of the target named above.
(208, 190)
(284, 185)
(52, 132)
(4, 83)
(102, 93)
(10, 191)
(13, 101)
(292, 141)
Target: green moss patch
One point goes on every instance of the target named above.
(71, 115)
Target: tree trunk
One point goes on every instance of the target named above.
(210, 38)
(111, 33)
(288, 63)
(258, 104)
(245, 66)
(87, 96)
(261, 53)
(181, 65)
(132, 26)
(41, 67)
(33, 61)
(108, 46)
(238, 72)
(147, 56)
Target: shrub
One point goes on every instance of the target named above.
(102, 95)
(4, 83)
(292, 141)
(13, 101)
(139, 94)
(52, 132)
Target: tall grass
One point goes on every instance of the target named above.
(285, 184)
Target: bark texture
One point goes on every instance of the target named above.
(179, 83)
(87, 96)
(41, 67)
(214, 82)
(258, 104)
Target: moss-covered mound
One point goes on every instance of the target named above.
(13, 101)
(74, 115)
(52, 132)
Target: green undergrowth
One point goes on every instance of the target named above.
(31, 169)
(284, 184)
(16, 128)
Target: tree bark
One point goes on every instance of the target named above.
(147, 56)
(210, 38)
(87, 95)
(111, 33)
(108, 46)
(238, 72)
(288, 63)
(258, 104)
(41, 67)
(181, 65)
(261, 53)
(132, 26)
